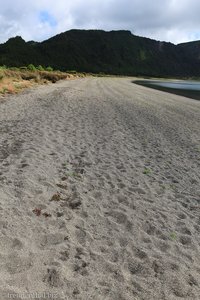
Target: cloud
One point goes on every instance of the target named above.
(169, 20)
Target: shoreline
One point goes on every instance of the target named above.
(185, 93)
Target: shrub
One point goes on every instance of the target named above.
(31, 67)
(3, 67)
(49, 69)
(40, 68)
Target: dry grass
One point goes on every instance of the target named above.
(13, 81)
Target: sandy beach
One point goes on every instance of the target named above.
(100, 193)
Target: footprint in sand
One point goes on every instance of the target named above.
(185, 240)
(15, 263)
(53, 278)
(52, 239)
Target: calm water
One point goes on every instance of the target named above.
(190, 89)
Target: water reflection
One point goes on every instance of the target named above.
(190, 89)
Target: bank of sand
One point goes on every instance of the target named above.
(99, 184)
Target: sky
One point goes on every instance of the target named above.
(173, 21)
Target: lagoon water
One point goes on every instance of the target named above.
(187, 88)
(183, 85)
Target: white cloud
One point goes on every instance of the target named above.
(170, 20)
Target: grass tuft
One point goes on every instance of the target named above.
(146, 171)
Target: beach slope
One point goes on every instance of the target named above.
(99, 186)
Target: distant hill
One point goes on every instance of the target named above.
(192, 48)
(114, 52)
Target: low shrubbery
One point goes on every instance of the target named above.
(31, 67)
(13, 80)
(49, 69)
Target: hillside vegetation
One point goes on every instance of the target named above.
(114, 52)
(192, 49)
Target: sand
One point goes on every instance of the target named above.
(99, 186)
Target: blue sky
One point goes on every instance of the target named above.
(166, 20)
(46, 17)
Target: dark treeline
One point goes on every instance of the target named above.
(115, 52)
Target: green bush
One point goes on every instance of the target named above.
(3, 67)
(31, 67)
(40, 68)
(49, 69)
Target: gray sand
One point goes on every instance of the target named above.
(99, 186)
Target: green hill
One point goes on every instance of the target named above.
(192, 48)
(114, 52)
